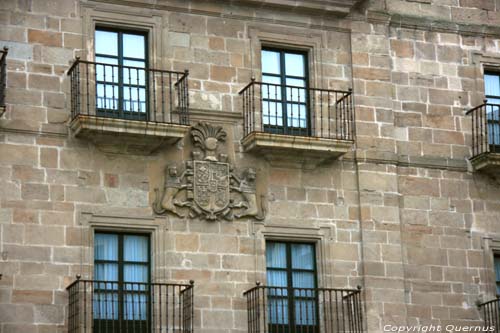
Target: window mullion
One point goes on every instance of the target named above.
(290, 290)
(121, 287)
(284, 111)
(121, 93)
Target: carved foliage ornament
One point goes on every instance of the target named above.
(209, 187)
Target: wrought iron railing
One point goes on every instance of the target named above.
(105, 306)
(298, 111)
(485, 128)
(3, 77)
(131, 93)
(304, 310)
(490, 312)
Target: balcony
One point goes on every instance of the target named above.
(296, 125)
(3, 78)
(490, 312)
(124, 109)
(486, 138)
(321, 310)
(105, 306)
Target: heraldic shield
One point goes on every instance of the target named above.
(211, 186)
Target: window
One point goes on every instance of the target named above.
(121, 272)
(291, 276)
(121, 78)
(492, 95)
(284, 92)
(496, 260)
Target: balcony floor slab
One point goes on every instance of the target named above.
(123, 136)
(299, 151)
(487, 162)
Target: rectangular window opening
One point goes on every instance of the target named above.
(285, 100)
(121, 295)
(492, 96)
(292, 287)
(121, 74)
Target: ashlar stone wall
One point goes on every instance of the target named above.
(403, 214)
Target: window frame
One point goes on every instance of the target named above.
(106, 324)
(496, 256)
(120, 111)
(291, 297)
(495, 73)
(286, 128)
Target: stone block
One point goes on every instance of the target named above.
(44, 37)
(222, 73)
(31, 191)
(188, 242)
(32, 296)
(224, 27)
(402, 48)
(44, 82)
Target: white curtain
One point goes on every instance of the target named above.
(135, 253)
(492, 88)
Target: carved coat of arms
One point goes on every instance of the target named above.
(209, 187)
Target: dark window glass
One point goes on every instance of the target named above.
(492, 94)
(497, 272)
(291, 268)
(121, 81)
(121, 271)
(284, 92)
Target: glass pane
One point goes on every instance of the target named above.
(294, 64)
(134, 99)
(296, 95)
(272, 114)
(492, 85)
(305, 312)
(271, 91)
(497, 268)
(277, 310)
(276, 255)
(107, 98)
(271, 79)
(270, 62)
(134, 76)
(107, 73)
(106, 272)
(135, 273)
(106, 247)
(135, 248)
(303, 280)
(494, 139)
(106, 42)
(303, 256)
(276, 278)
(296, 116)
(105, 306)
(135, 306)
(134, 46)
(295, 82)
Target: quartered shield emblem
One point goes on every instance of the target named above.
(211, 186)
(208, 187)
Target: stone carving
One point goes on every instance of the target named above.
(209, 187)
(246, 186)
(173, 184)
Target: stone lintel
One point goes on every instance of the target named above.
(126, 136)
(296, 151)
(318, 7)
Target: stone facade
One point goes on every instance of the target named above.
(403, 214)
